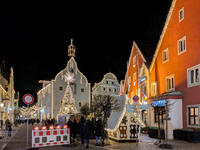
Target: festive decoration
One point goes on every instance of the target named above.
(25, 111)
(67, 105)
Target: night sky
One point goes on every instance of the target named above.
(34, 37)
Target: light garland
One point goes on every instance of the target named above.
(25, 111)
(68, 102)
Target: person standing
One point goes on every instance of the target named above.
(1, 123)
(70, 126)
(87, 131)
(81, 127)
(98, 131)
(74, 129)
(9, 128)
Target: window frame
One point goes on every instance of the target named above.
(164, 51)
(189, 84)
(188, 115)
(184, 38)
(79, 104)
(83, 90)
(167, 86)
(183, 14)
(134, 61)
(155, 88)
(59, 88)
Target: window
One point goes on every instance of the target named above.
(170, 83)
(73, 87)
(60, 88)
(79, 104)
(134, 61)
(112, 83)
(193, 115)
(165, 55)
(161, 115)
(104, 88)
(82, 90)
(193, 76)
(181, 14)
(106, 82)
(15, 104)
(134, 78)
(110, 90)
(154, 89)
(132, 95)
(182, 45)
(129, 79)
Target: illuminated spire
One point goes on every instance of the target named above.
(71, 49)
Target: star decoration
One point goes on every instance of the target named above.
(69, 77)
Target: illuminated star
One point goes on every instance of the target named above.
(69, 77)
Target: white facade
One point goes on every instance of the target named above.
(108, 85)
(52, 93)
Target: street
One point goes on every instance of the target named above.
(19, 135)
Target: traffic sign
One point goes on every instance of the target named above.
(135, 98)
(28, 99)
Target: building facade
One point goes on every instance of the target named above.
(7, 94)
(53, 91)
(137, 79)
(109, 85)
(174, 70)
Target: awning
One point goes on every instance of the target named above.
(167, 95)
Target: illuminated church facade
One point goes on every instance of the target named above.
(52, 92)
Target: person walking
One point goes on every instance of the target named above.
(80, 127)
(87, 131)
(9, 128)
(98, 131)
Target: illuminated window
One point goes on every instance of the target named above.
(193, 76)
(156, 116)
(170, 83)
(165, 55)
(134, 61)
(193, 115)
(181, 14)
(182, 45)
(154, 89)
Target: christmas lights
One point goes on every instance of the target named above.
(67, 105)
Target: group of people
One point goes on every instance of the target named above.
(84, 129)
(48, 122)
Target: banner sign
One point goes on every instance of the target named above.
(143, 107)
(159, 103)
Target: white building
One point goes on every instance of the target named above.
(53, 91)
(7, 95)
(108, 85)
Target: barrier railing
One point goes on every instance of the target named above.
(50, 137)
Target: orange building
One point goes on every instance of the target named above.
(137, 78)
(174, 70)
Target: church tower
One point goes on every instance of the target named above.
(71, 49)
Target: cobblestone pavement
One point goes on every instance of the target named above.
(18, 142)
